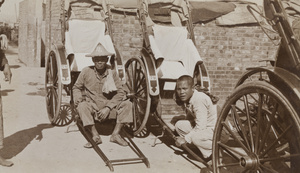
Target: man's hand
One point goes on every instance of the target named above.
(102, 114)
(180, 141)
(7, 73)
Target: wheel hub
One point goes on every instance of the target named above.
(249, 162)
(131, 95)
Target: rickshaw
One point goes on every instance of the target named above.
(83, 25)
(258, 129)
(168, 52)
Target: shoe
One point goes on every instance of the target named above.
(97, 140)
(118, 139)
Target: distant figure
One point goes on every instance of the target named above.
(201, 116)
(104, 97)
(7, 73)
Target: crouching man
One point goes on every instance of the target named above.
(201, 116)
(104, 97)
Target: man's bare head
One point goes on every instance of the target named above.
(185, 87)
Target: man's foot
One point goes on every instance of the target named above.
(118, 139)
(97, 140)
(4, 162)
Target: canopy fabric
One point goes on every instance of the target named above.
(205, 11)
(240, 16)
(82, 38)
(225, 12)
(178, 53)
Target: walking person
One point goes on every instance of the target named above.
(4, 66)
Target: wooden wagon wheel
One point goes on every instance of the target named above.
(53, 87)
(269, 138)
(137, 83)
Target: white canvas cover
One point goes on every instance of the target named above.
(178, 52)
(82, 38)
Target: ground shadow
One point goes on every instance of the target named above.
(14, 66)
(166, 139)
(5, 92)
(17, 142)
(40, 92)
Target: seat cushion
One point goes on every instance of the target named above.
(171, 70)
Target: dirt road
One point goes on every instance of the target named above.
(35, 146)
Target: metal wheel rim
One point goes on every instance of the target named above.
(275, 145)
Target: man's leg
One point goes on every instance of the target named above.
(124, 115)
(183, 127)
(3, 162)
(86, 111)
(203, 140)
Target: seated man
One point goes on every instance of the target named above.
(201, 116)
(104, 97)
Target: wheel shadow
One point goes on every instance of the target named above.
(17, 142)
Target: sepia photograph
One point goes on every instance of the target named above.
(150, 86)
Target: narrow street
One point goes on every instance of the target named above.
(35, 146)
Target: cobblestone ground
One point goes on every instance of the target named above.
(35, 146)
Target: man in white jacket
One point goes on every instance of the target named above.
(201, 116)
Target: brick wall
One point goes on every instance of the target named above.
(226, 51)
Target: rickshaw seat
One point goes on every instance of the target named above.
(82, 37)
(178, 52)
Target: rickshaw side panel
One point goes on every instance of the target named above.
(151, 72)
(64, 67)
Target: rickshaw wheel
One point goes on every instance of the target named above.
(269, 137)
(53, 87)
(137, 83)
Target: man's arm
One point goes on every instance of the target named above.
(77, 88)
(200, 110)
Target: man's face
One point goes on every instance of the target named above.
(100, 62)
(184, 90)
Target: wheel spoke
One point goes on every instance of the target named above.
(275, 142)
(259, 118)
(140, 106)
(268, 127)
(141, 98)
(232, 151)
(283, 157)
(141, 81)
(129, 80)
(249, 122)
(229, 165)
(265, 168)
(236, 115)
(134, 116)
(133, 69)
(142, 89)
(235, 137)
